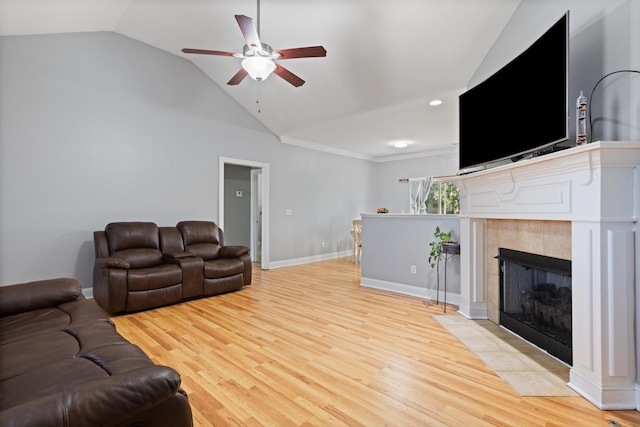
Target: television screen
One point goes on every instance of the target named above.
(522, 108)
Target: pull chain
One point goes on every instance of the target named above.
(259, 95)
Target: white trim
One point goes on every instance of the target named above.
(431, 153)
(318, 147)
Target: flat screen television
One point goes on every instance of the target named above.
(521, 109)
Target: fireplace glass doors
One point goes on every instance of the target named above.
(535, 300)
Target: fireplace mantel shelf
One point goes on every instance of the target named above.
(559, 186)
(595, 187)
(584, 157)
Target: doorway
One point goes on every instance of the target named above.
(259, 210)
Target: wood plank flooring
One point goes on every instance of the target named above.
(308, 346)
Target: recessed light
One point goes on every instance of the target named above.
(400, 144)
(435, 102)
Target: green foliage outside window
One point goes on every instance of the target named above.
(444, 198)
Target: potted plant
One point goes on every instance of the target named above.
(442, 244)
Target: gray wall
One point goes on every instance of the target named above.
(97, 127)
(237, 210)
(391, 244)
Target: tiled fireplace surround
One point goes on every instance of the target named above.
(579, 204)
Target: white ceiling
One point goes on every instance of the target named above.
(385, 59)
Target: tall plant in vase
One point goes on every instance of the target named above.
(442, 244)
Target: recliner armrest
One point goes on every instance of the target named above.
(112, 262)
(233, 251)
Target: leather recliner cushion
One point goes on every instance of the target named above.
(140, 257)
(127, 235)
(144, 279)
(198, 232)
(223, 267)
(201, 238)
(206, 251)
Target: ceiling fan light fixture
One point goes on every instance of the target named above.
(258, 67)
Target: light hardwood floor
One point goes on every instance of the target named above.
(308, 346)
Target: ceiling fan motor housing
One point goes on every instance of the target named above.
(265, 51)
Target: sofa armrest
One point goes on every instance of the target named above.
(233, 251)
(115, 400)
(39, 294)
(112, 262)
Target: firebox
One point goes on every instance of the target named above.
(535, 300)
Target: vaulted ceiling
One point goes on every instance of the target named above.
(386, 60)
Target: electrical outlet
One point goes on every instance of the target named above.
(323, 244)
(413, 269)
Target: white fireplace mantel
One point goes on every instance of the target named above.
(597, 187)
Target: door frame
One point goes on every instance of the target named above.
(256, 213)
(265, 167)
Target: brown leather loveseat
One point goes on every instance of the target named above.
(64, 364)
(140, 266)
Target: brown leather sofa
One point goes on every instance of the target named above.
(140, 266)
(64, 364)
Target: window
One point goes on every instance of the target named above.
(444, 198)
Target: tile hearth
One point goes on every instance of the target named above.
(526, 368)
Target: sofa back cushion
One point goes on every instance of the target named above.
(136, 242)
(201, 238)
(40, 294)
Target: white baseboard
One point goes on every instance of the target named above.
(404, 289)
(307, 260)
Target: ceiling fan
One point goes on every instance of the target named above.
(259, 58)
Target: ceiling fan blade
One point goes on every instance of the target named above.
(238, 77)
(207, 52)
(302, 52)
(288, 76)
(249, 32)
